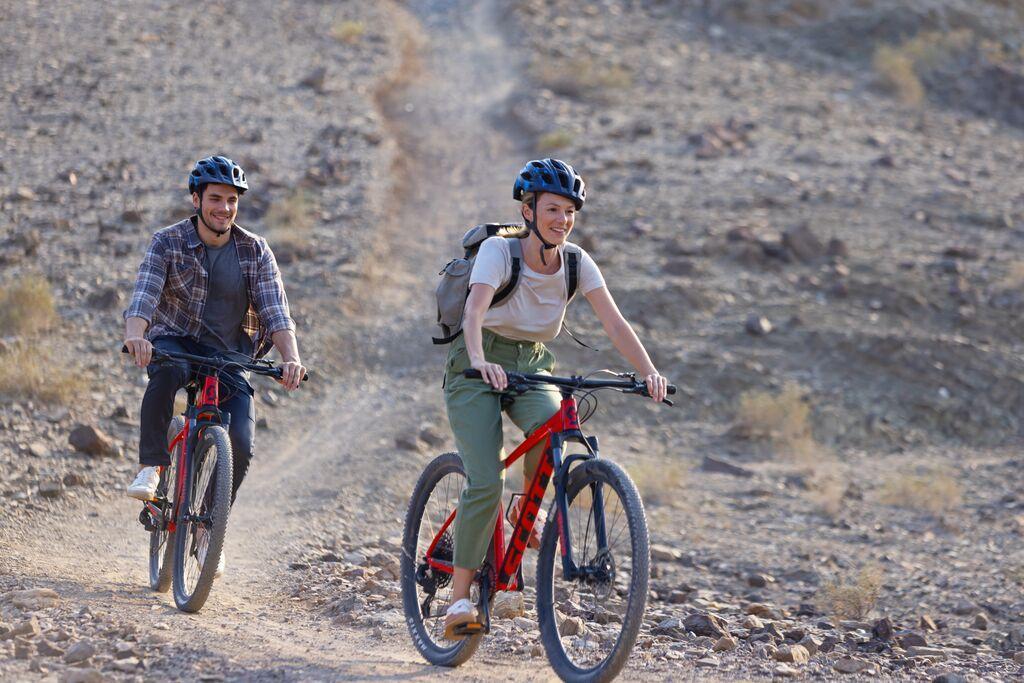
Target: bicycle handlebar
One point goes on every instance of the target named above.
(267, 369)
(627, 386)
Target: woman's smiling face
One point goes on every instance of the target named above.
(555, 217)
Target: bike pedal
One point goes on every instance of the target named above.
(470, 629)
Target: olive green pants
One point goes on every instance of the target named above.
(474, 412)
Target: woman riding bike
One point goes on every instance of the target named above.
(511, 336)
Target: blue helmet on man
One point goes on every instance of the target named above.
(217, 169)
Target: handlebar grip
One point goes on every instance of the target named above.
(472, 374)
(671, 390)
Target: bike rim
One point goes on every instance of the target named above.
(590, 613)
(443, 498)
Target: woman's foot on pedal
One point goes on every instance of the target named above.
(144, 486)
(460, 613)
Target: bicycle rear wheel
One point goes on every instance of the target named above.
(426, 592)
(589, 624)
(161, 539)
(202, 519)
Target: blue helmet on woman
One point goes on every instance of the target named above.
(550, 175)
(217, 169)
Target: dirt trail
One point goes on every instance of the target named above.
(339, 447)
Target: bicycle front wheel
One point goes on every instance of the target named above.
(589, 622)
(202, 520)
(161, 539)
(427, 591)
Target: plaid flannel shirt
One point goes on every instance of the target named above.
(172, 285)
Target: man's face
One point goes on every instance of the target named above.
(220, 206)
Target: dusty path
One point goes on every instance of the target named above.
(327, 462)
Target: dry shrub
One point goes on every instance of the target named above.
(40, 372)
(290, 226)
(934, 491)
(582, 78)
(828, 489)
(26, 306)
(900, 67)
(782, 419)
(852, 597)
(348, 31)
(555, 140)
(658, 483)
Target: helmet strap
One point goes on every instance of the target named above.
(532, 225)
(203, 220)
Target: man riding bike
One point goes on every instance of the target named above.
(206, 287)
(511, 336)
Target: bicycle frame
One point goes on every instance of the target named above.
(198, 415)
(505, 561)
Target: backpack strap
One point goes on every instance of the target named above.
(515, 250)
(571, 254)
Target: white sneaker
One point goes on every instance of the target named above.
(144, 486)
(203, 546)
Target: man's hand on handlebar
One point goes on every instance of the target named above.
(141, 350)
(292, 374)
(657, 386)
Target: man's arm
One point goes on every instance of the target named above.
(288, 347)
(149, 286)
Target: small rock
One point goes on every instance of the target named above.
(980, 621)
(837, 248)
(508, 605)
(932, 652)
(75, 479)
(803, 243)
(753, 622)
(89, 439)
(571, 626)
(718, 466)
(757, 325)
(316, 79)
(51, 488)
(725, 644)
(964, 607)
(522, 623)
(927, 623)
(407, 442)
(811, 643)
(664, 553)
(262, 423)
(759, 580)
(785, 671)
(705, 624)
(33, 599)
(766, 651)
(432, 436)
(882, 629)
(126, 665)
(81, 676)
(709, 662)
(29, 628)
(795, 654)
(907, 640)
(765, 611)
(24, 649)
(949, 678)
(79, 652)
(852, 665)
(48, 649)
(1019, 658)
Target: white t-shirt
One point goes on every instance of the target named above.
(536, 308)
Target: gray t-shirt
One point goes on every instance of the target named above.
(227, 301)
(535, 310)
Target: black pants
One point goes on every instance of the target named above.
(158, 405)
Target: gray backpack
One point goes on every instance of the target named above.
(453, 290)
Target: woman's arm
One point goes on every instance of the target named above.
(625, 340)
(477, 303)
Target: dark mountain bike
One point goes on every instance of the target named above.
(594, 558)
(188, 520)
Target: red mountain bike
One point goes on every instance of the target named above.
(593, 563)
(188, 520)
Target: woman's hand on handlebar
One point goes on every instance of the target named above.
(493, 374)
(657, 386)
